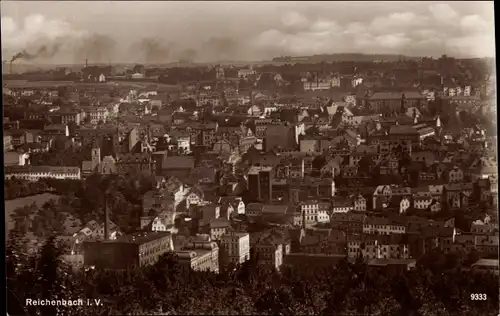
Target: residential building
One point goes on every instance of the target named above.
(382, 226)
(235, 247)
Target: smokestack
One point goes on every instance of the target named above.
(10, 68)
(106, 219)
(86, 63)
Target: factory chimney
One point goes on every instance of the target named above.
(10, 68)
(86, 63)
(106, 218)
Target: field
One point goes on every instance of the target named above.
(11, 205)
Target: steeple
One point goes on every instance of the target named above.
(403, 103)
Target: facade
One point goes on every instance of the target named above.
(269, 253)
(260, 183)
(200, 255)
(135, 163)
(236, 247)
(392, 101)
(138, 249)
(97, 114)
(382, 226)
(35, 173)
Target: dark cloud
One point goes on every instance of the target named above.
(153, 50)
(96, 48)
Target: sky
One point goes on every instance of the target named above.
(154, 32)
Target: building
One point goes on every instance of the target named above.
(35, 173)
(392, 101)
(485, 265)
(135, 163)
(382, 226)
(7, 143)
(279, 136)
(13, 158)
(269, 252)
(136, 250)
(199, 255)
(97, 114)
(246, 73)
(235, 247)
(260, 183)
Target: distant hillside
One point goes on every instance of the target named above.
(344, 57)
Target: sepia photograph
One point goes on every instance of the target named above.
(250, 158)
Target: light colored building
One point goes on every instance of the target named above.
(200, 255)
(245, 73)
(359, 203)
(382, 226)
(97, 114)
(318, 85)
(35, 173)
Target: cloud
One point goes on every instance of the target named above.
(397, 21)
(243, 31)
(393, 41)
(476, 24)
(443, 12)
(294, 20)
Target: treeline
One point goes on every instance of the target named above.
(440, 285)
(85, 200)
(61, 155)
(16, 188)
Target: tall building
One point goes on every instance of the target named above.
(235, 247)
(259, 183)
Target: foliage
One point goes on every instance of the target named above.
(435, 287)
(60, 156)
(17, 188)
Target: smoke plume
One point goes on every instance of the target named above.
(189, 55)
(95, 47)
(153, 50)
(220, 48)
(43, 51)
(39, 38)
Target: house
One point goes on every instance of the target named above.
(246, 73)
(359, 203)
(383, 226)
(236, 203)
(341, 204)
(219, 227)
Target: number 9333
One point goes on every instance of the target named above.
(478, 297)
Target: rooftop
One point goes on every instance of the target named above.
(140, 238)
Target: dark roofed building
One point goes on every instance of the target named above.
(178, 166)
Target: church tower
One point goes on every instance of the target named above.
(96, 157)
(438, 126)
(403, 103)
